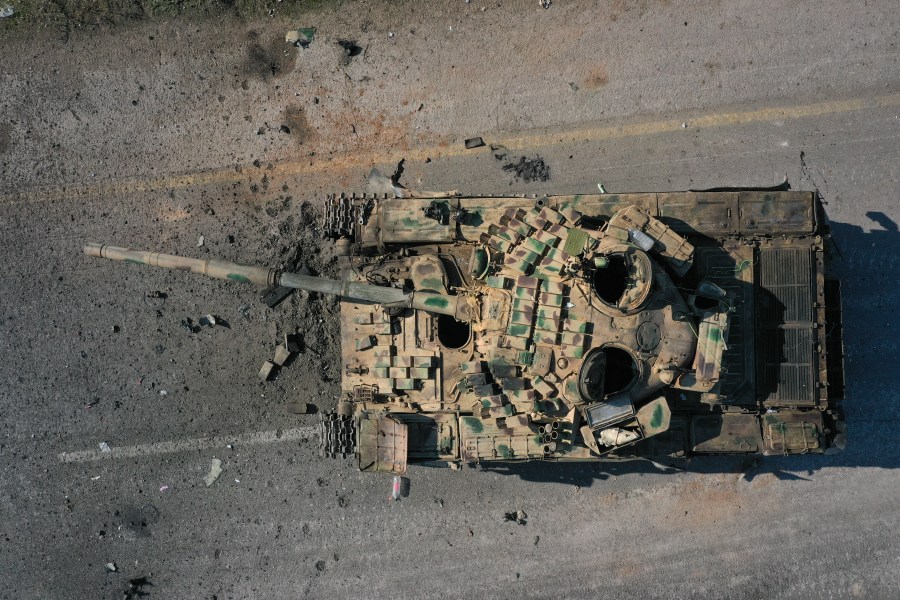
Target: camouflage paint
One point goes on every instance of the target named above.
(437, 302)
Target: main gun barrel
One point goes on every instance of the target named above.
(221, 269)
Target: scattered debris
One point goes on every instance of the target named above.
(399, 488)
(475, 142)
(215, 469)
(684, 125)
(245, 311)
(163, 393)
(200, 241)
(537, 540)
(302, 37)
(136, 588)
(116, 329)
(545, 3)
(275, 295)
(601, 188)
(266, 370)
(282, 354)
(7, 11)
(104, 447)
(390, 34)
(208, 320)
(188, 323)
(526, 169)
(292, 342)
(454, 466)
(518, 516)
(301, 408)
(574, 86)
(111, 567)
(95, 478)
(92, 403)
(351, 49)
(163, 488)
(155, 298)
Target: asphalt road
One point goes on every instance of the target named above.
(154, 134)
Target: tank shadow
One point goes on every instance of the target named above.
(867, 262)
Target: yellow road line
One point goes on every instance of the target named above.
(514, 142)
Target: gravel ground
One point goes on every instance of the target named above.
(152, 132)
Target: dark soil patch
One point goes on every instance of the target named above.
(297, 125)
(5, 138)
(528, 169)
(269, 59)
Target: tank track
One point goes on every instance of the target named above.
(345, 213)
(337, 436)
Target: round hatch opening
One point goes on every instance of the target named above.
(606, 371)
(451, 333)
(622, 278)
(610, 281)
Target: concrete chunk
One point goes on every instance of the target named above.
(266, 371)
(282, 354)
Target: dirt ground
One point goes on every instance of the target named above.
(156, 128)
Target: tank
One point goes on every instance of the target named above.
(477, 329)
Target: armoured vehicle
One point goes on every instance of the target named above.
(574, 327)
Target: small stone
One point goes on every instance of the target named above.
(111, 567)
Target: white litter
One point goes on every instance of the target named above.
(215, 469)
(104, 447)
